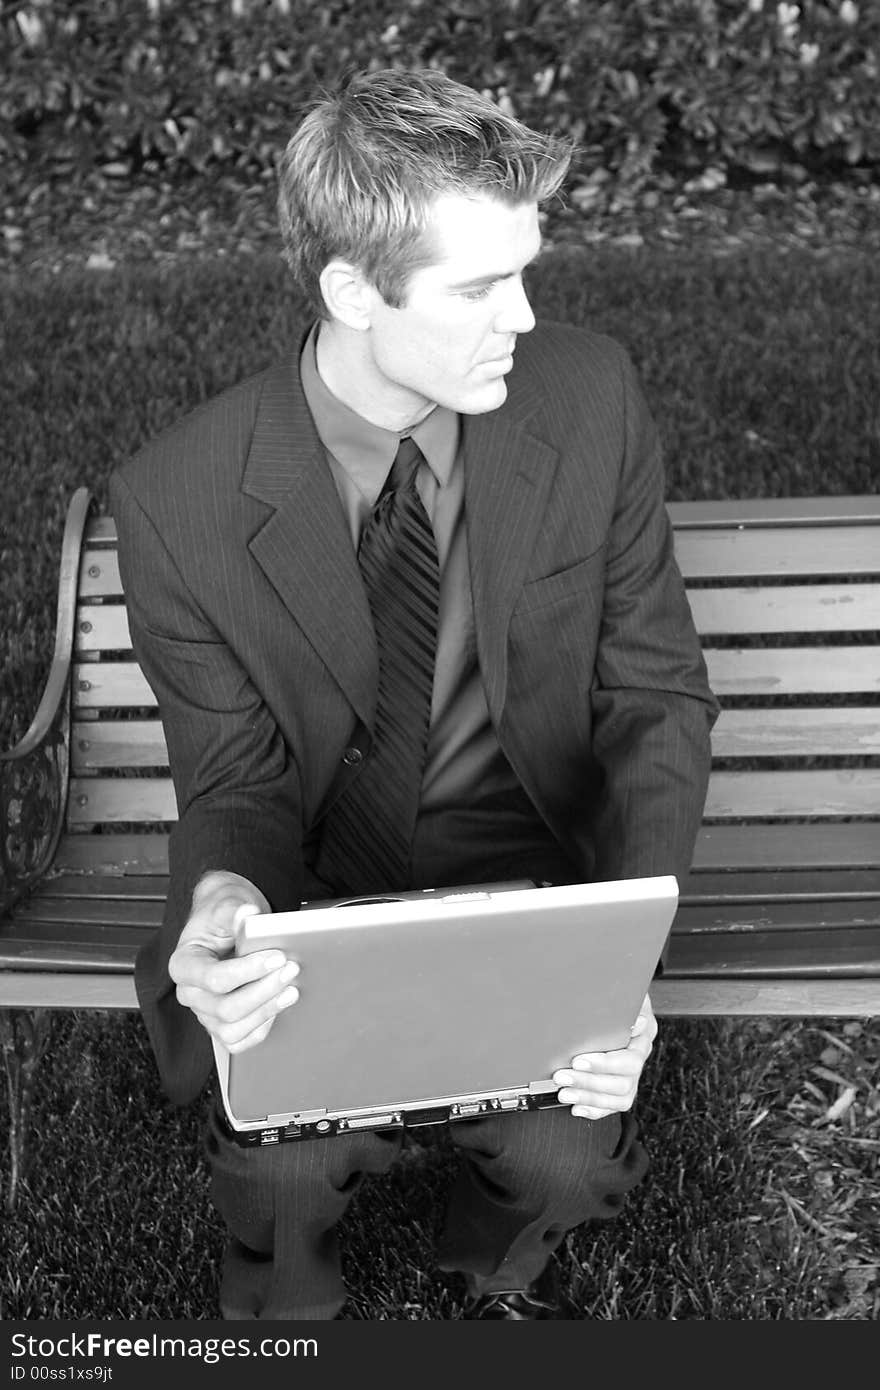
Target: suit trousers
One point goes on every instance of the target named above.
(525, 1178)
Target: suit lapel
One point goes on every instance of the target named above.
(305, 548)
(509, 472)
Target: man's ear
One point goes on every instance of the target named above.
(347, 294)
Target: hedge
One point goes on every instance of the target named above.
(651, 88)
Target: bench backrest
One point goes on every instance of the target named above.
(786, 598)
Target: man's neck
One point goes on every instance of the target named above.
(346, 370)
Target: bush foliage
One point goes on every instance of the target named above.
(650, 88)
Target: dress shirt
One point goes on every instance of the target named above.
(464, 761)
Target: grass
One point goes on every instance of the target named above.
(763, 1198)
(758, 1206)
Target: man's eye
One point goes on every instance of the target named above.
(480, 292)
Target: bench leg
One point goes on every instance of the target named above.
(23, 1037)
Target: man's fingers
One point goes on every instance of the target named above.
(602, 1083)
(252, 1038)
(623, 1060)
(606, 1096)
(240, 1033)
(262, 973)
(236, 998)
(646, 1021)
(238, 1039)
(628, 1062)
(576, 1091)
(229, 1006)
(196, 966)
(239, 1003)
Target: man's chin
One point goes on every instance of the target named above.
(489, 397)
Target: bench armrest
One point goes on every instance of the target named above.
(34, 774)
(33, 796)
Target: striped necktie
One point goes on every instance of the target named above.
(367, 834)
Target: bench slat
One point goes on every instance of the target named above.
(760, 512)
(738, 733)
(780, 885)
(701, 554)
(102, 627)
(754, 998)
(672, 998)
(732, 671)
(778, 550)
(825, 916)
(107, 743)
(749, 553)
(67, 952)
(99, 574)
(787, 608)
(706, 889)
(98, 799)
(808, 846)
(111, 685)
(101, 530)
(145, 852)
(72, 913)
(725, 862)
(808, 956)
(748, 511)
(109, 887)
(813, 954)
(830, 792)
(68, 989)
(840, 951)
(730, 886)
(761, 733)
(793, 670)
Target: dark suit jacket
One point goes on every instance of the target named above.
(250, 621)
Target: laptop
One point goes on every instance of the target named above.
(440, 1005)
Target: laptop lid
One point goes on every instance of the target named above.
(431, 1006)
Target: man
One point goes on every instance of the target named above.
(565, 735)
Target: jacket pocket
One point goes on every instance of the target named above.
(586, 575)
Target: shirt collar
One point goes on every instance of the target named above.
(366, 451)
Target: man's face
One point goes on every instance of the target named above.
(452, 341)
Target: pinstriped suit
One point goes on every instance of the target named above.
(250, 620)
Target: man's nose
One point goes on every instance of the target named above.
(515, 314)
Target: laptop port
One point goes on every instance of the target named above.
(371, 1121)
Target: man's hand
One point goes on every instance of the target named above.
(236, 998)
(604, 1083)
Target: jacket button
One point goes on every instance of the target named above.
(352, 756)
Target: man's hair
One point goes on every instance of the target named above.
(361, 172)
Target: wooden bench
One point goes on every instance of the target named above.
(781, 914)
